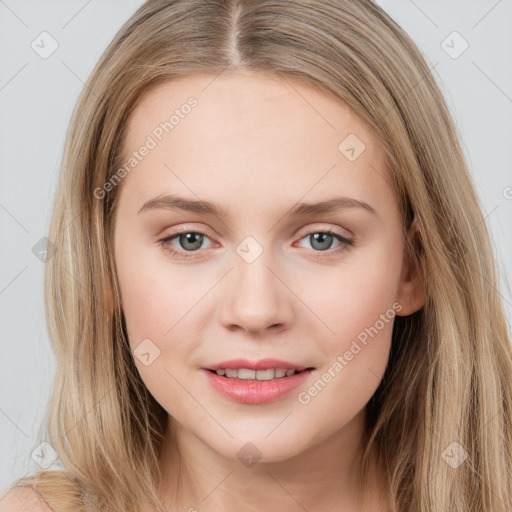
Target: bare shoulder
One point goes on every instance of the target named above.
(23, 499)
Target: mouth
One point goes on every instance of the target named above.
(248, 374)
(256, 386)
(261, 370)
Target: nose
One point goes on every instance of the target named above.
(255, 299)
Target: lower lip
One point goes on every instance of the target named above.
(256, 391)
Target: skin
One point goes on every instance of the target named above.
(257, 145)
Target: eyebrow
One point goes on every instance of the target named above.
(171, 202)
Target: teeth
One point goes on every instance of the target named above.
(247, 374)
(264, 374)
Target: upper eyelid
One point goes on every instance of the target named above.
(315, 227)
(331, 227)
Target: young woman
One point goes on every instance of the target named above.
(273, 287)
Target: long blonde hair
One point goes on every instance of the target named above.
(447, 390)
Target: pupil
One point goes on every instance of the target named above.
(188, 238)
(321, 237)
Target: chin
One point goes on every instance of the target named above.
(258, 449)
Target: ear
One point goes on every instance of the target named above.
(410, 292)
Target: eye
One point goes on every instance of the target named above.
(190, 242)
(321, 241)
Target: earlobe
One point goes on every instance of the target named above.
(411, 291)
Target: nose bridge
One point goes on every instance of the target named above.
(255, 298)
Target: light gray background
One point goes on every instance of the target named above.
(37, 97)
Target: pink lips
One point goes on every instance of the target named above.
(255, 391)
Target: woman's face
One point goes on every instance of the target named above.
(227, 170)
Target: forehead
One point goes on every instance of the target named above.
(249, 135)
(253, 102)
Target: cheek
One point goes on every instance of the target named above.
(360, 321)
(158, 302)
(154, 296)
(355, 356)
(352, 297)
(357, 307)
(155, 312)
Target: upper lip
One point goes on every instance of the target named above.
(262, 364)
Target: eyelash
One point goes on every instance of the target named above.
(175, 253)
